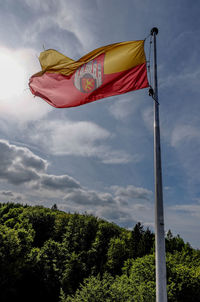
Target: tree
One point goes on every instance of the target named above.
(43, 223)
(116, 255)
(73, 275)
(173, 243)
(94, 289)
(14, 245)
(141, 241)
(183, 277)
(138, 286)
(99, 248)
(54, 207)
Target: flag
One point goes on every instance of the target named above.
(109, 70)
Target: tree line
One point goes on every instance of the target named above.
(50, 255)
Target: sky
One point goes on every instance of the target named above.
(98, 158)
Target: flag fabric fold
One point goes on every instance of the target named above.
(109, 70)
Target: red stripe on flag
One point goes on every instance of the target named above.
(63, 91)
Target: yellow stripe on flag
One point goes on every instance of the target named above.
(124, 56)
(118, 57)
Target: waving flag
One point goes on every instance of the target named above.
(109, 70)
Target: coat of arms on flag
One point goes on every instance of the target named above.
(89, 76)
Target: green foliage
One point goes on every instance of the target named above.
(93, 289)
(100, 245)
(80, 232)
(138, 286)
(74, 273)
(173, 243)
(14, 244)
(42, 221)
(117, 253)
(183, 276)
(141, 242)
(49, 255)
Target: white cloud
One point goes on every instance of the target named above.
(46, 7)
(66, 137)
(185, 139)
(124, 106)
(183, 134)
(148, 117)
(186, 78)
(190, 209)
(183, 219)
(76, 17)
(81, 138)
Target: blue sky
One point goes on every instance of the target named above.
(99, 157)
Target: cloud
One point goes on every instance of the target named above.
(88, 197)
(58, 182)
(186, 78)
(7, 193)
(125, 206)
(131, 192)
(183, 219)
(76, 17)
(48, 34)
(42, 7)
(124, 106)
(82, 138)
(11, 196)
(189, 209)
(19, 165)
(185, 139)
(116, 214)
(148, 117)
(126, 215)
(66, 137)
(183, 134)
(109, 156)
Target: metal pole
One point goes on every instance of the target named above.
(161, 290)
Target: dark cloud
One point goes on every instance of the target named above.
(34, 162)
(59, 182)
(30, 23)
(18, 175)
(11, 196)
(131, 192)
(7, 193)
(87, 197)
(60, 39)
(18, 164)
(15, 16)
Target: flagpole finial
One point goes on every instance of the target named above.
(154, 30)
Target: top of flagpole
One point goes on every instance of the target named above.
(154, 30)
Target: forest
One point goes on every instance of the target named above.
(50, 255)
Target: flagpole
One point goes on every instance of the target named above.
(161, 290)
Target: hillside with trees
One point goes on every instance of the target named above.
(50, 255)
